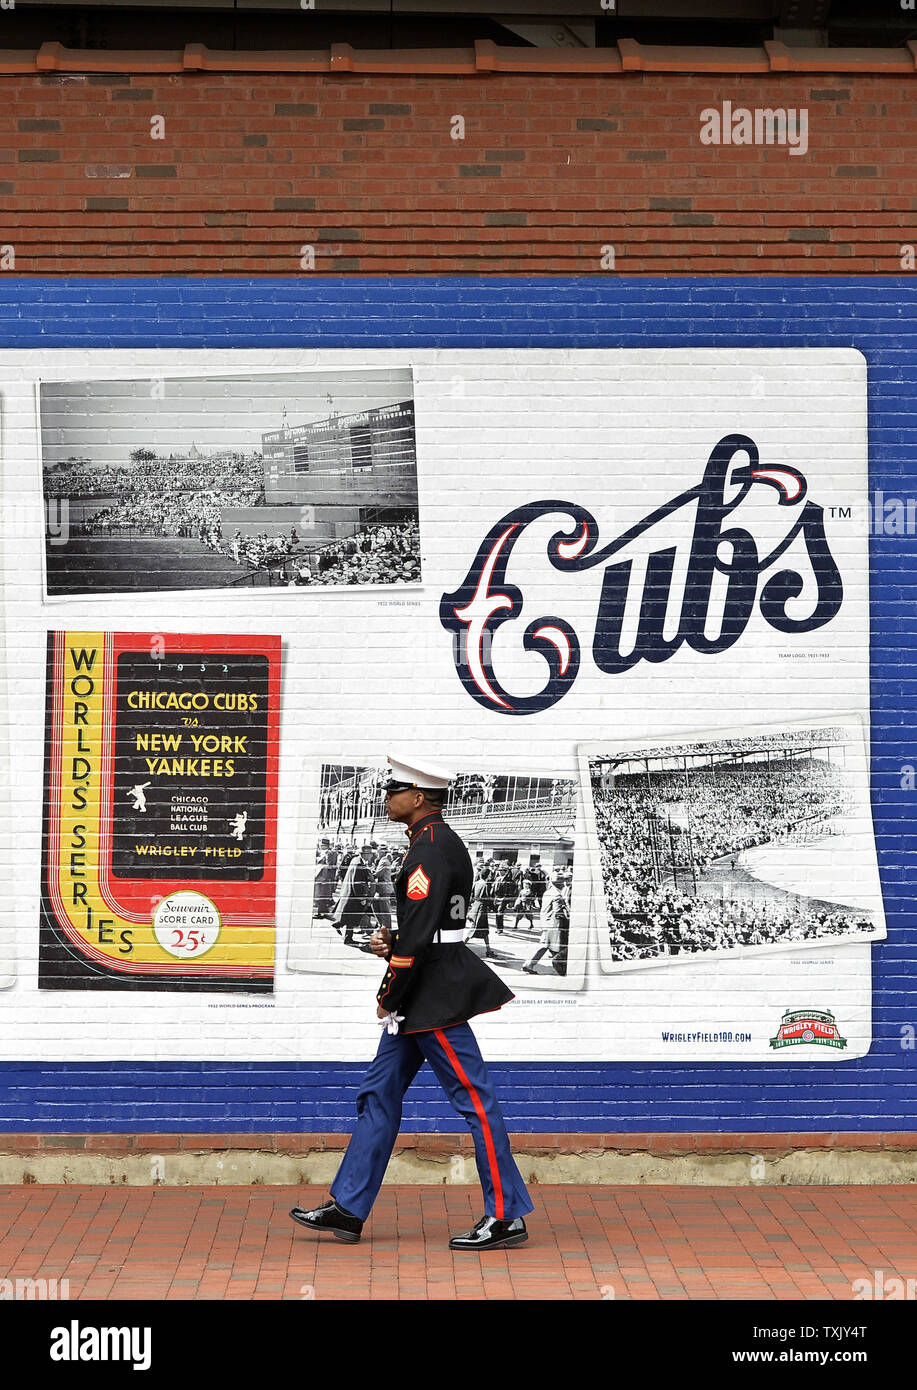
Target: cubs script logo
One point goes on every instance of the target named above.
(724, 560)
(418, 884)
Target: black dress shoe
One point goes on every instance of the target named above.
(330, 1217)
(491, 1234)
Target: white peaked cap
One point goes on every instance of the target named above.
(418, 772)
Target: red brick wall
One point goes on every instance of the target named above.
(445, 1144)
(552, 168)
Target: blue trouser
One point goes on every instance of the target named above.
(455, 1057)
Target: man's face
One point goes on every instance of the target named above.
(400, 805)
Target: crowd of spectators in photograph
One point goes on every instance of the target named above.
(528, 894)
(190, 514)
(77, 478)
(258, 552)
(664, 828)
(182, 496)
(186, 497)
(354, 890)
(149, 475)
(670, 923)
(385, 553)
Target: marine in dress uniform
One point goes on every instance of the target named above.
(432, 986)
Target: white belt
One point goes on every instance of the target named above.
(449, 936)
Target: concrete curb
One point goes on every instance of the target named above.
(454, 1164)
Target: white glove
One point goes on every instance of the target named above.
(390, 1022)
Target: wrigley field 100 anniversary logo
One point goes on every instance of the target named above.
(808, 1026)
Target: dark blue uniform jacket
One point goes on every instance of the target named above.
(434, 985)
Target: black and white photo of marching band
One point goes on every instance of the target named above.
(760, 841)
(519, 832)
(289, 480)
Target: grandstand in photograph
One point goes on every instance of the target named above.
(352, 804)
(754, 783)
(721, 844)
(524, 820)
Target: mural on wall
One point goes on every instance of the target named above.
(158, 865)
(520, 832)
(749, 843)
(636, 564)
(7, 854)
(230, 483)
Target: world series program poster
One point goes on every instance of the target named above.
(159, 845)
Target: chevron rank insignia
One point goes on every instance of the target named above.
(418, 884)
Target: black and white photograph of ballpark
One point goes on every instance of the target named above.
(730, 844)
(519, 833)
(290, 480)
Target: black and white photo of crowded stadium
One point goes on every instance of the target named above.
(726, 845)
(520, 833)
(283, 480)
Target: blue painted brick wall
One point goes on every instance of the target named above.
(876, 315)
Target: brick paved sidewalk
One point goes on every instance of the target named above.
(641, 1242)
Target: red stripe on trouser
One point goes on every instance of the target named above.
(476, 1102)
